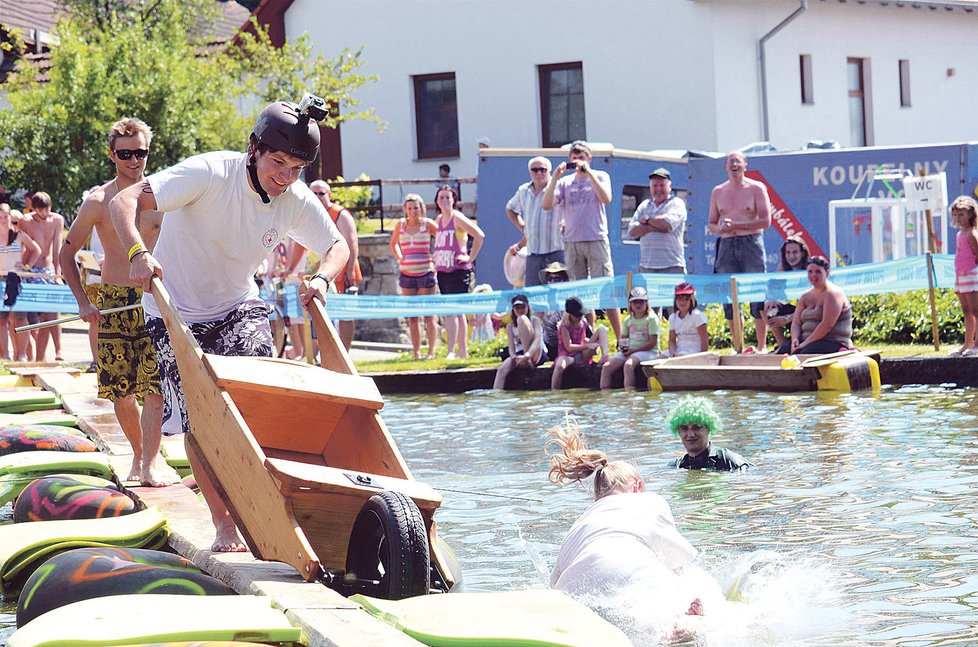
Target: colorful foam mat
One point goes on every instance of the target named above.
(17, 471)
(135, 619)
(71, 496)
(537, 618)
(25, 546)
(87, 573)
(175, 453)
(28, 438)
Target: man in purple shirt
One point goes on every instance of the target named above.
(584, 195)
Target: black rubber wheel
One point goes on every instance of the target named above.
(388, 552)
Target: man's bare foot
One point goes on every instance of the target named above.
(135, 470)
(149, 477)
(227, 540)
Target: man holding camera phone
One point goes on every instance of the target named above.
(584, 195)
(224, 212)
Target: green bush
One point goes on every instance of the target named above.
(904, 318)
(354, 198)
(901, 318)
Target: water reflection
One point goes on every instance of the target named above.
(862, 505)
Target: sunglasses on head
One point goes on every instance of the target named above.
(127, 153)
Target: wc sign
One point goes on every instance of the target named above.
(926, 192)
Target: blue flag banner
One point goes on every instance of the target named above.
(42, 297)
(603, 293)
(610, 292)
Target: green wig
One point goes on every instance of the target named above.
(694, 410)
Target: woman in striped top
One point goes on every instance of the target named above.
(411, 246)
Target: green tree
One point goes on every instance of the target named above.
(156, 61)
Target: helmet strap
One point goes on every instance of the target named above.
(253, 173)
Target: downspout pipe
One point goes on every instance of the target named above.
(762, 58)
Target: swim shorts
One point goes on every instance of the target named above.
(126, 358)
(243, 332)
(423, 282)
(737, 255)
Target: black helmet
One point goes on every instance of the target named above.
(283, 127)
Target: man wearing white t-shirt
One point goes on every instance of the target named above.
(659, 223)
(224, 212)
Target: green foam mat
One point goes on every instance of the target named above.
(537, 618)
(154, 618)
(39, 418)
(23, 546)
(18, 470)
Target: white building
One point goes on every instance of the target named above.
(642, 74)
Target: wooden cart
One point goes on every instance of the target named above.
(309, 471)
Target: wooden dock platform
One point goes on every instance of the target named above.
(326, 618)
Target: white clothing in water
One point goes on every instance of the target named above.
(620, 540)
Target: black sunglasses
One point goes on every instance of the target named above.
(538, 170)
(319, 192)
(127, 153)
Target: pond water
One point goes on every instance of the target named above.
(857, 525)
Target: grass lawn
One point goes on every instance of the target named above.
(406, 364)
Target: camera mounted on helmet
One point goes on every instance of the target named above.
(313, 107)
(291, 128)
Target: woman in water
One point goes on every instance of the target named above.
(627, 541)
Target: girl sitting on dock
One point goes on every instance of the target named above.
(526, 347)
(687, 324)
(574, 344)
(794, 257)
(639, 340)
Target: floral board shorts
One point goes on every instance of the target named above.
(126, 359)
(243, 332)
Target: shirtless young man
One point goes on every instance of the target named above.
(740, 211)
(126, 359)
(46, 228)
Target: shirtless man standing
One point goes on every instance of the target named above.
(740, 211)
(126, 359)
(46, 228)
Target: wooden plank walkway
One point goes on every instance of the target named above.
(326, 618)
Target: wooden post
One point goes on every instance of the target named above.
(307, 337)
(933, 300)
(737, 322)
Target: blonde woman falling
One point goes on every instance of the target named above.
(626, 542)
